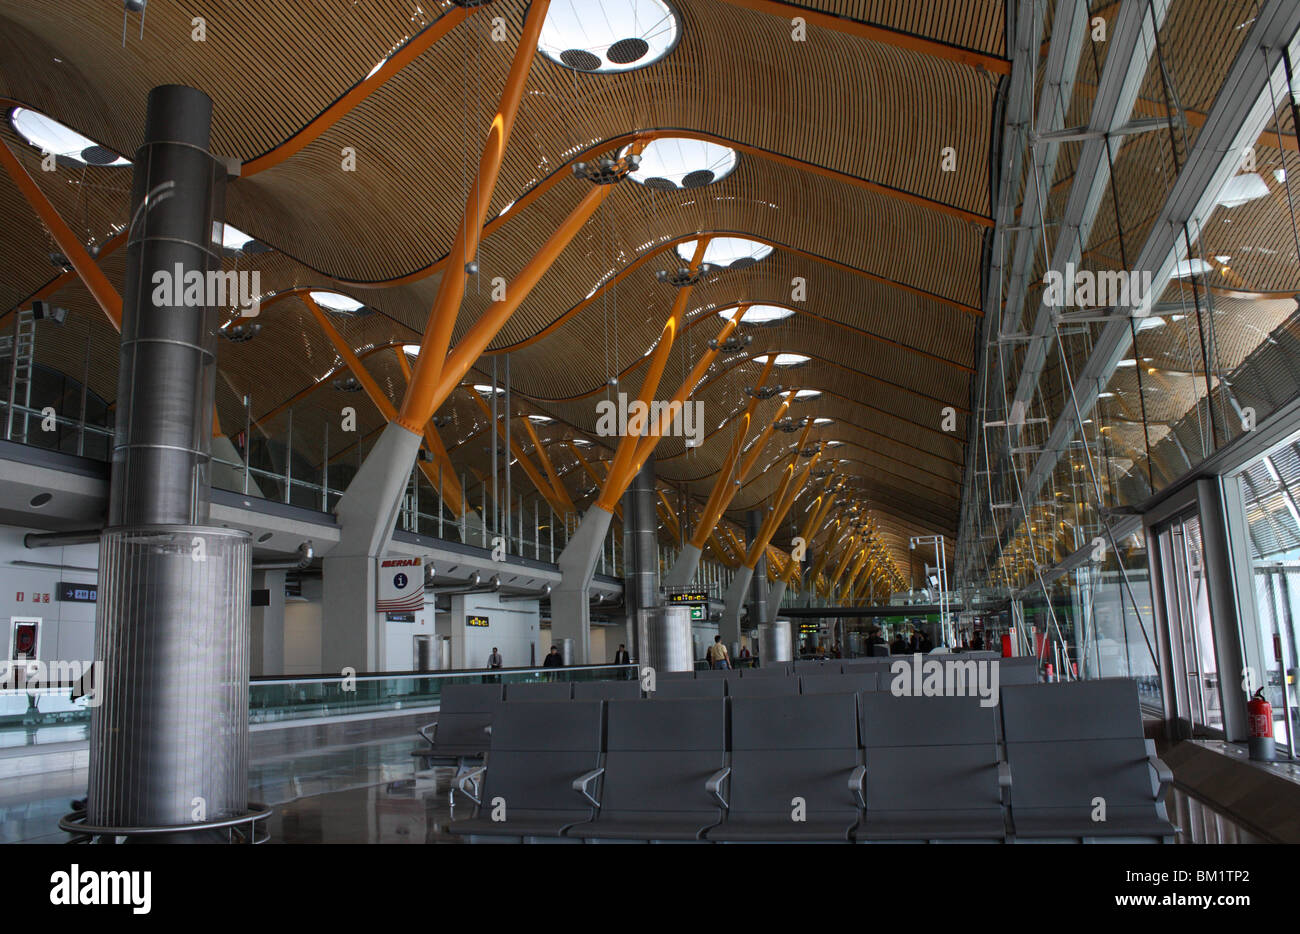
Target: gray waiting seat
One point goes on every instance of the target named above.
(775, 669)
(783, 748)
(717, 673)
(606, 690)
(674, 675)
(461, 730)
(1075, 748)
(539, 690)
(699, 687)
(661, 756)
(934, 771)
(784, 686)
(1021, 670)
(841, 684)
(538, 752)
(814, 665)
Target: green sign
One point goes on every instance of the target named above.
(697, 612)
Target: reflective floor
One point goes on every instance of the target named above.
(369, 794)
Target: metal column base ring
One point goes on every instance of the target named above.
(75, 824)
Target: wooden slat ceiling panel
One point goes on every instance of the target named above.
(970, 24)
(886, 357)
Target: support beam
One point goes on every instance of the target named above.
(561, 491)
(443, 479)
(516, 449)
(101, 290)
(418, 405)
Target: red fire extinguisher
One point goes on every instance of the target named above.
(1260, 716)
(1047, 673)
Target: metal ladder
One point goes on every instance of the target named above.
(20, 348)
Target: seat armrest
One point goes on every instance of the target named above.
(488, 729)
(1004, 774)
(582, 785)
(471, 778)
(714, 785)
(856, 779)
(1162, 774)
(424, 731)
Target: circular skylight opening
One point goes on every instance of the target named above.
(730, 252)
(53, 137)
(758, 314)
(607, 36)
(785, 359)
(675, 162)
(342, 304)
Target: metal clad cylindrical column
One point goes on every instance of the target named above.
(669, 646)
(169, 739)
(166, 376)
(774, 642)
(757, 598)
(169, 743)
(566, 650)
(640, 554)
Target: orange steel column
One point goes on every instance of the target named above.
(811, 524)
(417, 404)
(445, 481)
(777, 515)
(713, 507)
(384, 404)
(489, 324)
(626, 450)
(561, 493)
(96, 282)
(647, 444)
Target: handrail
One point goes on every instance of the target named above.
(445, 673)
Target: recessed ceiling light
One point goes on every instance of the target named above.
(732, 252)
(672, 162)
(758, 314)
(606, 36)
(51, 136)
(583, 441)
(1127, 363)
(1192, 267)
(1105, 395)
(341, 304)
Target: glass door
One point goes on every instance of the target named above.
(1198, 700)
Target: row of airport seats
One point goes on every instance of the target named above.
(866, 767)
(460, 733)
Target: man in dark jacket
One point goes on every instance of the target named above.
(554, 659)
(621, 657)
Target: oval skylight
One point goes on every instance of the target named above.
(342, 304)
(1242, 188)
(731, 252)
(230, 237)
(758, 314)
(822, 421)
(607, 36)
(670, 163)
(785, 359)
(1192, 267)
(540, 419)
(411, 350)
(484, 387)
(49, 135)
(804, 395)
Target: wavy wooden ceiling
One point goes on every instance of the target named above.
(840, 172)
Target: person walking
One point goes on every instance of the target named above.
(717, 654)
